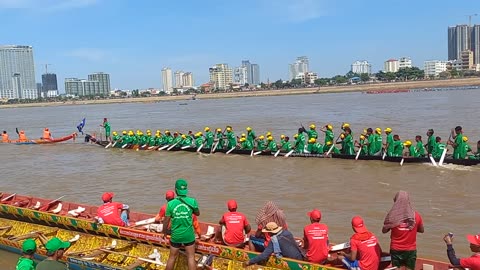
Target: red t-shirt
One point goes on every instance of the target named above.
(235, 223)
(316, 235)
(368, 252)
(403, 239)
(473, 263)
(110, 214)
(162, 211)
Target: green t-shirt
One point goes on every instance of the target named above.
(51, 265)
(246, 145)
(231, 140)
(328, 136)
(312, 134)
(25, 264)
(287, 146)
(209, 137)
(260, 145)
(251, 136)
(431, 143)
(464, 150)
(413, 151)
(398, 148)
(390, 145)
(300, 143)
(181, 219)
(348, 148)
(458, 148)
(420, 149)
(272, 146)
(438, 150)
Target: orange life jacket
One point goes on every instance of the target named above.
(46, 134)
(22, 137)
(4, 137)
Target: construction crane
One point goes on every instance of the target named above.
(46, 68)
(470, 19)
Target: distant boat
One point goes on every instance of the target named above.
(183, 104)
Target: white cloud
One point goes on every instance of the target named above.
(90, 54)
(46, 5)
(297, 10)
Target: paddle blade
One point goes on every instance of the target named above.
(442, 158)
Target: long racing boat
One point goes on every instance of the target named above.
(46, 141)
(23, 217)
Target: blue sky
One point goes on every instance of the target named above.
(133, 40)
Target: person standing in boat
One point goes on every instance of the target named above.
(312, 133)
(106, 126)
(251, 135)
(315, 238)
(389, 145)
(234, 227)
(348, 148)
(26, 261)
(113, 213)
(431, 142)
(457, 144)
(231, 139)
(365, 249)
(329, 136)
(282, 244)
(420, 147)
(5, 138)
(472, 262)
(179, 213)
(209, 138)
(404, 223)
(55, 250)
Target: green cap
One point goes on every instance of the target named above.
(29, 245)
(181, 187)
(55, 244)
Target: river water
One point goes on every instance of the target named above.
(445, 197)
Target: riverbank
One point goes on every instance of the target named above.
(280, 92)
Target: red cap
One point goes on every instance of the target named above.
(474, 239)
(315, 214)
(107, 196)
(358, 225)
(232, 205)
(170, 195)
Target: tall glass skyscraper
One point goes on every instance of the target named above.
(464, 38)
(17, 72)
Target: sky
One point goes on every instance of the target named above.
(133, 40)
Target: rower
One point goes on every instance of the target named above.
(412, 150)
(300, 141)
(46, 134)
(26, 262)
(457, 144)
(231, 140)
(397, 146)
(272, 145)
(335, 150)
(314, 147)
(198, 139)
(234, 226)
(286, 145)
(186, 140)
(106, 126)
(109, 213)
(150, 141)
(431, 141)
(115, 137)
(329, 136)
(376, 146)
(438, 148)
(362, 144)
(245, 144)
(219, 137)
(420, 147)
(168, 138)
(251, 135)
(22, 137)
(312, 133)
(389, 145)
(209, 137)
(282, 139)
(158, 138)
(176, 139)
(261, 143)
(348, 148)
(465, 148)
(5, 137)
(476, 155)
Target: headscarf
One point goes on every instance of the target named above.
(270, 212)
(402, 211)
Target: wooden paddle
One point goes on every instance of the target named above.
(163, 147)
(358, 152)
(133, 256)
(77, 253)
(257, 153)
(444, 153)
(289, 153)
(433, 161)
(333, 145)
(8, 197)
(229, 151)
(45, 208)
(401, 161)
(108, 145)
(172, 146)
(276, 153)
(186, 146)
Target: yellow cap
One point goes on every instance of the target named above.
(364, 131)
(219, 129)
(167, 131)
(345, 125)
(261, 137)
(149, 133)
(465, 138)
(249, 129)
(330, 127)
(388, 130)
(329, 143)
(268, 134)
(282, 136)
(342, 136)
(295, 136)
(378, 130)
(148, 130)
(312, 126)
(184, 136)
(407, 143)
(270, 138)
(244, 135)
(124, 132)
(207, 129)
(158, 131)
(242, 139)
(362, 137)
(312, 140)
(229, 129)
(114, 133)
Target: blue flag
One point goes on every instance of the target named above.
(81, 125)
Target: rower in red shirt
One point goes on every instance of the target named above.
(234, 227)
(315, 238)
(473, 262)
(113, 213)
(365, 249)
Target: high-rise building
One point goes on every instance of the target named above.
(301, 65)
(404, 62)
(251, 75)
(464, 38)
(167, 83)
(476, 44)
(240, 75)
(178, 79)
(49, 83)
(433, 68)
(39, 90)
(255, 75)
(221, 76)
(391, 65)
(248, 66)
(187, 79)
(466, 58)
(17, 72)
(78, 87)
(104, 82)
(360, 67)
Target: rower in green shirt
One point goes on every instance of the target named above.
(158, 138)
(286, 145)
(412, 150)
(397, 146)
(438, 148)
(272, 145)
(115, 137)
(220, 140)
(347, 146)
(329, 136)
(209, 137)
(312, 133)
(177, 139)
(431, 143)
(261, 143)
(245, 144)
(231, 140)
(389, 145)
(186, 140)
(327, 147)
(457, 135)
(313, 147)
(420, 147)
(465, 148)
(477, 154)
(282, 139)
(168, 138)
(198, 139)
(370, 142)
(300, 141)
(251, 135)
(362, 144)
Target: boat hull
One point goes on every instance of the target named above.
(44, 141)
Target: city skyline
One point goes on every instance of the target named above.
(283, 30)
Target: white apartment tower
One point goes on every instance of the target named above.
(391, 65)
(434, 68)
(167, 83)
(360, 67)
(221, 76)
(17, 72)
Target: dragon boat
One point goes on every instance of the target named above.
(448, 159)
(46, 141)
(102, 246)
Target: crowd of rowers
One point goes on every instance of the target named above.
(272, 237)
(22, 137)
(370, 142)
